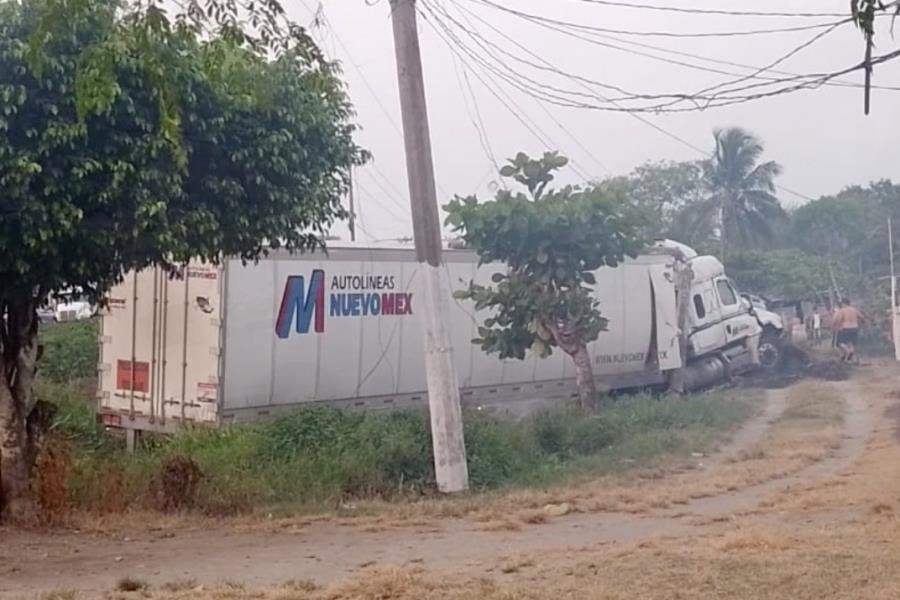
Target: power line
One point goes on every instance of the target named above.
(446, 35)
(670, 34)
(535, 129)
(563, 97)
(810, 83)
(323, 19)
(532, 87)
(711, 11)
(487, 46)
(475, 119)
(793, 52)
(840, 83)
(549, 67)
(387, 181)
(387, 209)
(590, 34)
(546, 111)
(644, 121)
(641, 119)
(404, 209)
(504, 73)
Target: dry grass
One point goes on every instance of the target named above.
(771, 562)
(516, 564)
(776, 562)
(500, 525)
(872, 485)
(835, 538)
(59, 595)
(131, 584)
(371, 584)
(53, 468)
(179, 585)
(807, 431)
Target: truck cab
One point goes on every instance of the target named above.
(724, 325)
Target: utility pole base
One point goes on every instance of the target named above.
(450, 466)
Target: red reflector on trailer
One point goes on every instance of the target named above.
(112, 420)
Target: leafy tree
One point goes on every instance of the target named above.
(784, 273)
(849, 231)
(98, 180)
(741, 205)
(551, 241)
(830, 227)
(663, 190)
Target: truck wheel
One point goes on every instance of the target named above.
(770, 351)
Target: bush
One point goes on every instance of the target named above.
(318, 458)
(498, 451)
(53, 469)
(71, 351)
(571, 432)
(176, 486)
(76, 413)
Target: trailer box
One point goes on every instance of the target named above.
(216, 344)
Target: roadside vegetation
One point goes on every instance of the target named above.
(319, 459)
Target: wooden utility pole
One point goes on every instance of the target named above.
(684, 276)
(443, 392)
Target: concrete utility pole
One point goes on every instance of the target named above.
(443, 391)
(895, 315)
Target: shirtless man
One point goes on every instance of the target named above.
(849, 319)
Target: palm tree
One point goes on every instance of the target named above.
(741, 203)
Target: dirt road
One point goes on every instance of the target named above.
(813, 483)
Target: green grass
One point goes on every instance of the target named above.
(71, 351)
(317, 458)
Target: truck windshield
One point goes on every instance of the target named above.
(726, 292)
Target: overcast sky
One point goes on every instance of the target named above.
(820, 136)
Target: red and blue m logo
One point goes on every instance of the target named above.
(299, 304)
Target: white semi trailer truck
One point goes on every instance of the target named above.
(218, 344)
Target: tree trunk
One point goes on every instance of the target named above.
(568, 338)
(15, 501)
(17, 369)
(584, 378)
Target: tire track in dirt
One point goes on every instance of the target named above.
(859, 423)
(752, 432)
(328, 552)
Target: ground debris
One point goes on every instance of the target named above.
(797, 364)
(829, 370)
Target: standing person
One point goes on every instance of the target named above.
(848, 334)
(817, 324)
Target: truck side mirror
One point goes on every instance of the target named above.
(745, 302)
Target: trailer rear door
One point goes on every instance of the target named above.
(160, 349)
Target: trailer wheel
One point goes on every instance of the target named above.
(770, 351)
